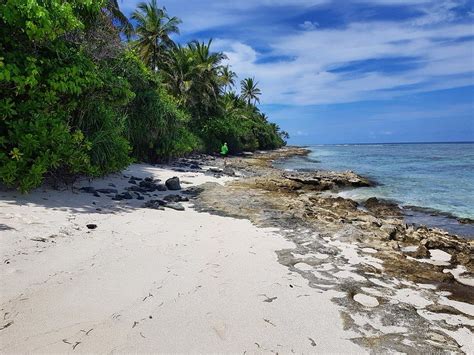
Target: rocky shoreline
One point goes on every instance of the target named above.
(411, 276)
(123, 256)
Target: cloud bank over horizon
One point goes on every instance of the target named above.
(316, 56)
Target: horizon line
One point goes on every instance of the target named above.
(372, 143)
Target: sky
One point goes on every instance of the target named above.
(347, 71)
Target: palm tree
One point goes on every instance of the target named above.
(112, 10)
(191, 74)
(153, 30)
(227, 78)
(249, 90)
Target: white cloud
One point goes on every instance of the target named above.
(308, 80)
(309, 25)
(439, 12)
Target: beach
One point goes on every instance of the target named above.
(234, 272)
(150, 281)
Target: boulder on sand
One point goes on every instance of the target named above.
(173, 183)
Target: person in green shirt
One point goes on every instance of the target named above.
(224, 152)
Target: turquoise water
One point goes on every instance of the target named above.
(437, 176)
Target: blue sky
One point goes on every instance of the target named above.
(348, 71)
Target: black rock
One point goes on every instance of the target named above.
(96, 194)
(155, 204)
(161, 187)
(117, 197)
(193, 191)
(173, 183)
(148, 185)
(127, 195)
(140, 197)
(87, 189)
(228, 171)
(131, 181)
(175, 198)
(91, 226)
(135, 178)
(149, 179)
(195, 166)
(107, 191)
(215, 170)
(136, 189)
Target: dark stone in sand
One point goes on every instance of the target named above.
(155, 204)
(215, 170)
(193, 191)
(127, 195)
(175, 206)
(195, 167)
(135, 178)
(175, 198)
(131, 181)
(117, 197)
(88, 189)
(140, 198)
(161, 187)
(148, 185)
(96, 194)
(107, 191)
(91, 226)
(137, 189)
(173, 183)
(228, 171)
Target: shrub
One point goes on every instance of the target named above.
(59, 110)
(156, 127)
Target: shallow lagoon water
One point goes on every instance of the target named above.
(437, 176)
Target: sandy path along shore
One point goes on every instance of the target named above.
(151, 281)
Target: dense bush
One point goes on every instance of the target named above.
(75, 99)
(41, 80)
(242, 126)
(62, 106)
(155, 126)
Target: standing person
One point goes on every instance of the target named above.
(224, 151)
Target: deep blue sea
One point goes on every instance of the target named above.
(438, 176)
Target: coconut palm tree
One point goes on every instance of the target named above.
(112, 10)
(192, 74)
(249, 90)
(153, 29)
(227, 78)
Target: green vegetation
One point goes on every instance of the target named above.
(77, 99)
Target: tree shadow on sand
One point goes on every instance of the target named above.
(74, 200)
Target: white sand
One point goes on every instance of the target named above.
(150, 281)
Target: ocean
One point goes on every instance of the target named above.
(437, 178)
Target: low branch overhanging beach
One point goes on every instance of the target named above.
(259, 262)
